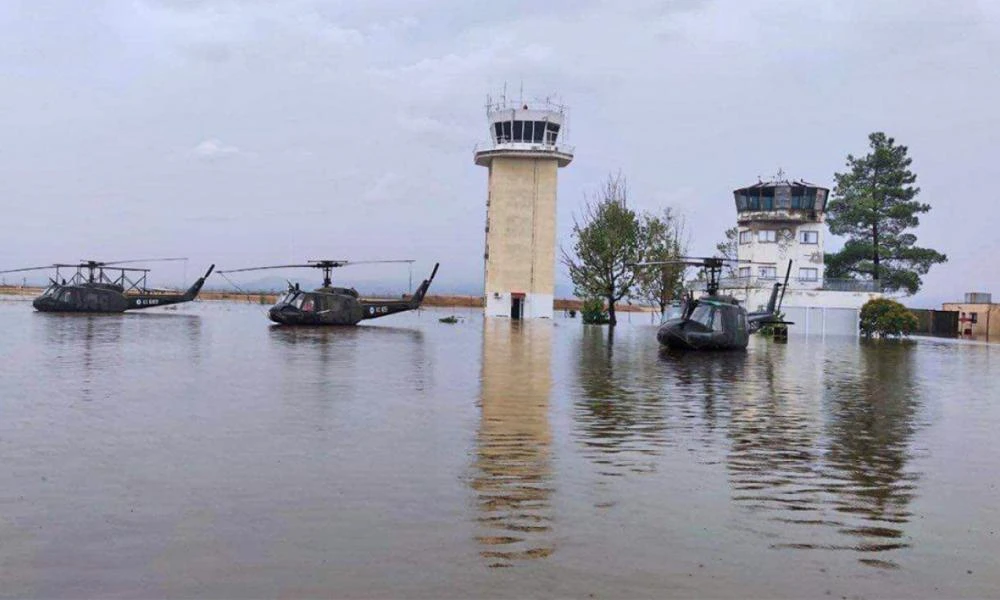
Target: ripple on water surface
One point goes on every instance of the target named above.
(202, 452)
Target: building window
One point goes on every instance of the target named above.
(973, 317)
(782, 197)
(808, 274)
(745, 272)
(809, 237)
(767, 236)
(767, 272)
(539, 132)
(746, 236)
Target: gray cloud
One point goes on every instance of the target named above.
(352, 124)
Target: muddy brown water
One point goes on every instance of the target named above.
(201, 452)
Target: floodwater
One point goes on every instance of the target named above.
(203, 453)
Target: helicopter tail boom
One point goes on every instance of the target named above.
(151, 300)
(418, 297)
(373, 309)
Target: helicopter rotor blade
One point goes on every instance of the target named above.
(136, 260)
(347, 263)
(318, 264)
(660, 263)
(29, 269)
(307, 266)
(97, 266)
(702, 259)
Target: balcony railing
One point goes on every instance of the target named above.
(828, 284)
(524, 146)
(851, 285)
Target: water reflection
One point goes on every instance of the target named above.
(619, 410)
(775, 439)
(513, 467)
(329, 359)
(702, 386)
(82, 346)
(821, 447)
(872, 418)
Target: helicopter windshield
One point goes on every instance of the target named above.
(287, 298)
(673, 312)
(708, 316)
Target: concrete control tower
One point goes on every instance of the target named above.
(523, 156)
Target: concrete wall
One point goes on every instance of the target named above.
(821, 320)
(815, 312)
(758, 297)
(939, 323)
(788, 245)
(987, 325)
(521, 236)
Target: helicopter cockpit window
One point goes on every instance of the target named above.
(297, 301)
(287, 298)
(703, 314)
(717, 316)
(673, 312)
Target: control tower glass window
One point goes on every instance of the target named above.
(551, 133)
(538, 133)
(782, 197)
(803, 198)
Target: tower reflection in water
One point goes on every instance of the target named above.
(512, 471)
(828, 451)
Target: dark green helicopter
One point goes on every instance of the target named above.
(715, 322)
(329, 305)
(103, 287)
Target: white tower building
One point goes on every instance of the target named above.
(782, 220)
(523, 157)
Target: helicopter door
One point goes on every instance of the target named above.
(516, 306)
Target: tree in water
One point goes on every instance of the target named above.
(883, 317)
(663, 238)
(605, 245)
(873, 205)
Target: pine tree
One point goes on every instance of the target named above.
(873, 205)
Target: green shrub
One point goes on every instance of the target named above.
(767, 329)
(882, 317)
(593, 312)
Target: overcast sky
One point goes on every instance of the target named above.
(247, 132)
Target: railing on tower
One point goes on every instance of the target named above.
(827, 284)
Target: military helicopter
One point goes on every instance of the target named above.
(715, 322)
(328, 305)
(93, 290)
